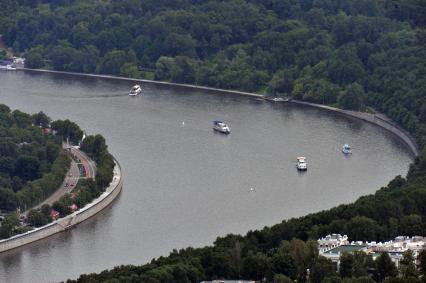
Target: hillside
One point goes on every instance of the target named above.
(351, 54)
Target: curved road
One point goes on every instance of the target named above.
(88, 164)
(72, 176)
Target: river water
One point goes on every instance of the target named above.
(184, 185)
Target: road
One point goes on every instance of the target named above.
(88, 164)
(72, 176)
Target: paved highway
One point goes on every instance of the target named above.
(72, 176)
(88, 164)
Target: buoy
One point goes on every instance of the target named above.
(251, 189)
(183, 123)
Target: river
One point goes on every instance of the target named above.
(184, 185)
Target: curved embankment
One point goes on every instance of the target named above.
(378, 119)
(71, 220)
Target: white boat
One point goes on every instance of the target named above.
(221, 127)
(136, 90)
(346, 149)
(280, 99)
(301, 164)
(7, 67)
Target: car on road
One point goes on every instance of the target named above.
(66, 185)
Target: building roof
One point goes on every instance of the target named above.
(346, 249)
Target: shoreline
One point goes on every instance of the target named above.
(71, 220)
(115, 187)
(380, 120)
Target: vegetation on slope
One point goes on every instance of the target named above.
(33, 166)
(349, 53)
(87, 189)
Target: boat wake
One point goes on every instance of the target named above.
(83, 96)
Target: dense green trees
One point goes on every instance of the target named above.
(8, 226)
(68, 130)
(36, 218)
(352, 54)
(32, 165)
(97, 149)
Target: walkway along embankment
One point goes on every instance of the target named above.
(71, 220)
(378, 119)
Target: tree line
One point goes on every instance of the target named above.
(351, 54)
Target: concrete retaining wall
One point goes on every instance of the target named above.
(377, 119)
(70, 220)
(145, 81)
(116, 185)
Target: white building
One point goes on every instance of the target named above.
(331, 241)
(333, 246)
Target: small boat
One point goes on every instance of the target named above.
(7, 67)
(346, 149)
(221, 127)
(301, 164)
(277, 98)
(136, 90)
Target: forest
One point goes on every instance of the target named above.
(32, 165)
(354, 54)
(351, 53)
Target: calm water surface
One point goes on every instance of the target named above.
(185, 185)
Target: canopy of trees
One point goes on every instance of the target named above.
(32, 165)
(351, 53)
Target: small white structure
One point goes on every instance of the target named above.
(19, 60)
